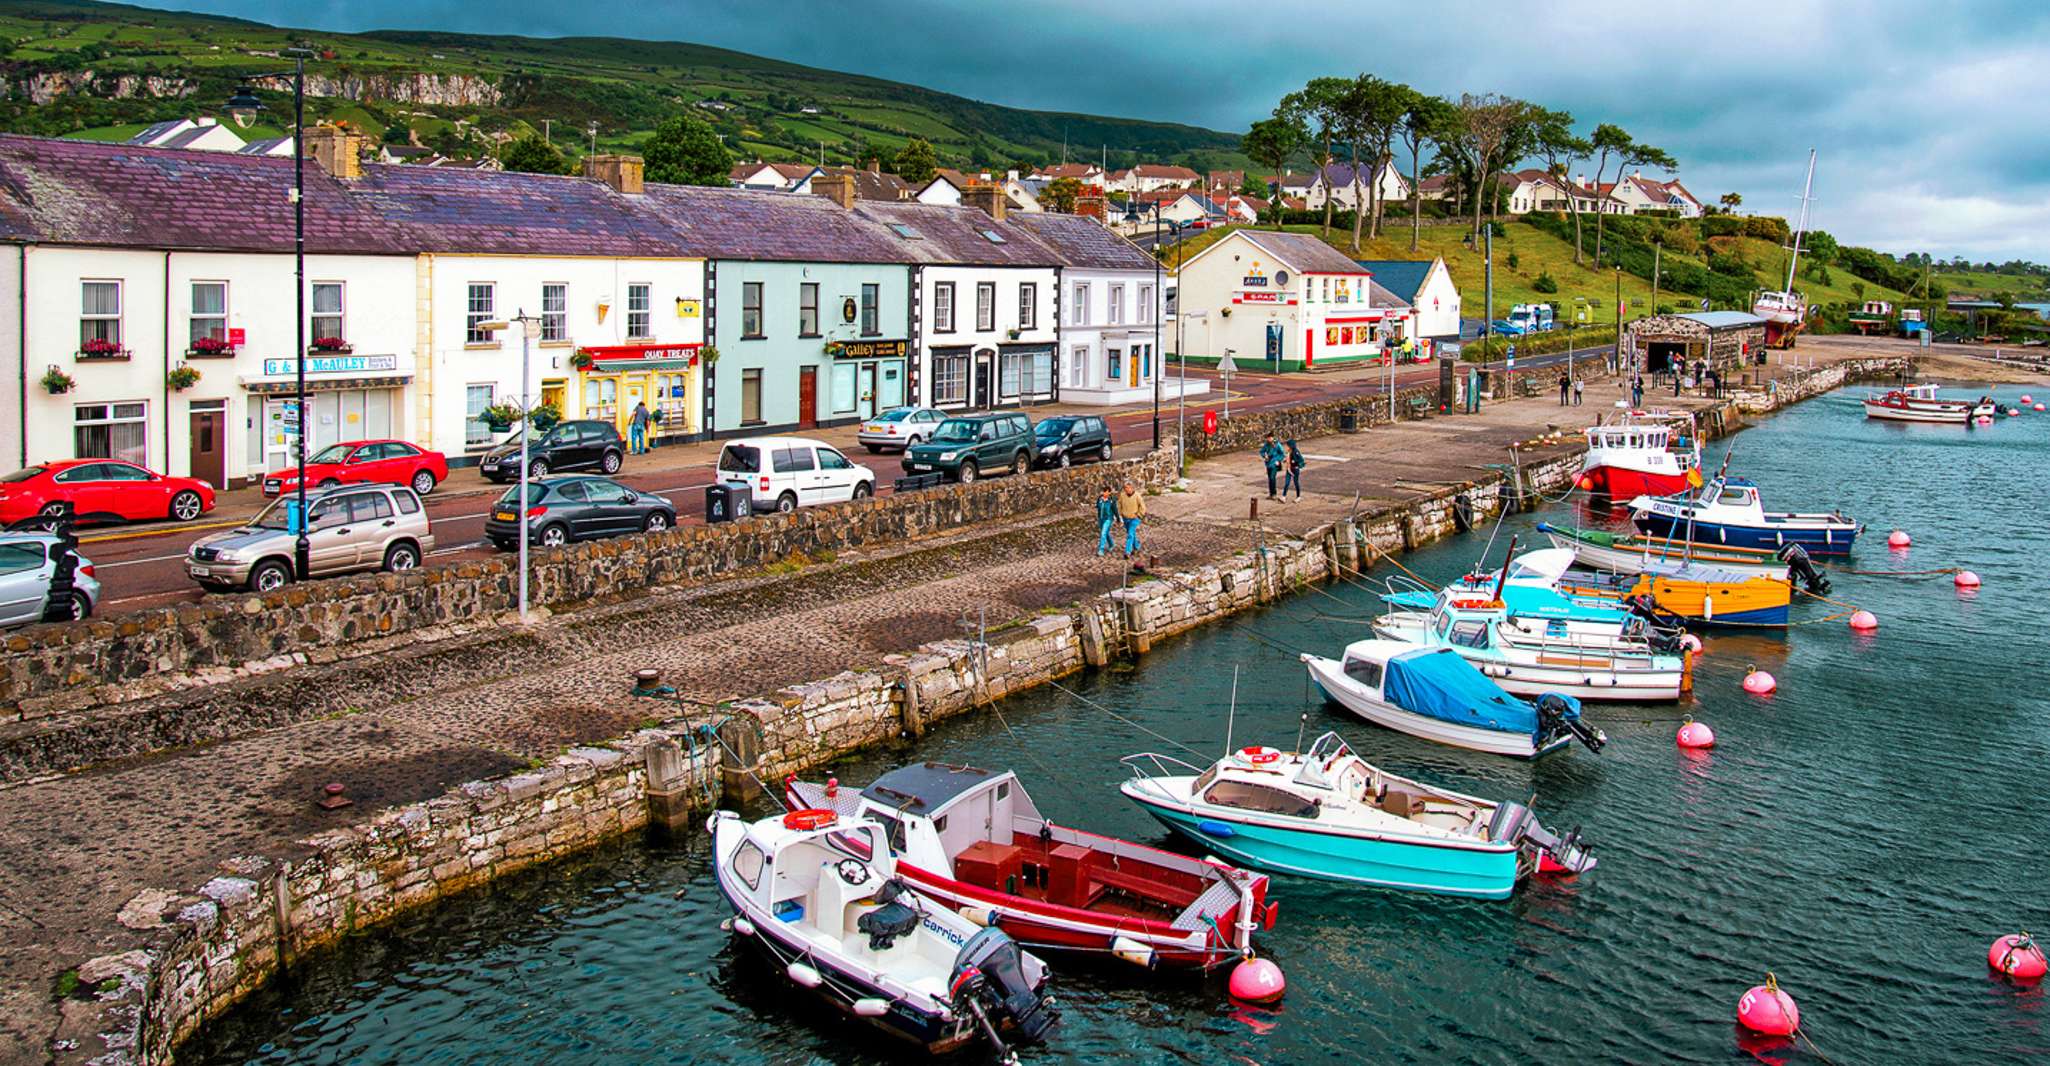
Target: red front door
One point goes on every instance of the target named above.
(807, 397)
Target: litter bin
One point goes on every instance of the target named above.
(1348, 420)
(726, 501)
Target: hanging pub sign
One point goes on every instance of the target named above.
(847, 309)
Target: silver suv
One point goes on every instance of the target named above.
(353, 527)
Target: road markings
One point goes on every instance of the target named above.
(1327, 458)
(158, 532)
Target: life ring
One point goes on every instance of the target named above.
(1470, 605)
(1260, 756)
(814, 818)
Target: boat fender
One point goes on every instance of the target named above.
(982, 916)
(743, 927)
(1132, 951)
(804, 975)
(1211, 827)
(871, 1007)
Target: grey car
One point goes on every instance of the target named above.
(563, 509)
(27, 565)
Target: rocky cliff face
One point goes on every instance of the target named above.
(45, 86)
(445, 90)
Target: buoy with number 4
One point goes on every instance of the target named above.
(1864, 621)
(1257, 981)
(1766, 1009)
(1899, 539)
(1695, 734)
(1966, 579)
(2018, 956)
(1759, 683)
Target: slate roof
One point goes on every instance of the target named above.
(953, 235)
(876, 185)
(455, 209)
(149, 134)
(761, 224)
(1378, 296)
(1086, 243)
(1723, 319)
(263, 145)
(1404, 277)
(1169, 173)
(1301, 251)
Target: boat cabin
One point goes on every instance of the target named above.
(824, 878)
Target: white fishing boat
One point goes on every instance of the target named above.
(1435, 694)
(1523, 663)
(1924, 403)
(820, 896)
(1786, 310)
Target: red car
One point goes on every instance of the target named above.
(375, 462)
(102, 490)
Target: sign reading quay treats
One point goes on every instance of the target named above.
(871, 350)
(332, 364)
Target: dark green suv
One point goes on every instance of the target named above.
(965, 446)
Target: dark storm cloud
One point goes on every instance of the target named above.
(1922, 113)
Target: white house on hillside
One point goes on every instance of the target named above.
(1286, 298)
(1344, 188)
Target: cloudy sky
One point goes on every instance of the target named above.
(1926, 115)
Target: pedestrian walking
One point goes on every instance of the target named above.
(1579, 387)
(637, 429)
(1715, 383)
(1294, 479)
(1272, 455)
(1106, 520)
(1637, 394)
(1131, 508)
(1564, 384)
(1473, 390)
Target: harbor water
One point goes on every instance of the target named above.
(1864, 833)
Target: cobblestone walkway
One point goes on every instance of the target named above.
(404, 727)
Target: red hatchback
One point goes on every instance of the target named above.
(102, 490)
(373, 462)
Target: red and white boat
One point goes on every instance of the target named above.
(972, 839)
(1645, 453)
(1921, 403)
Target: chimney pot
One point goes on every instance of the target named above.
(621, 172)
(989, 199)
(838, 188)
(336, 150)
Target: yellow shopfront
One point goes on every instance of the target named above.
(613, 380)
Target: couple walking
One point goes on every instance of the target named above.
(1286, 460)
(1126, 507)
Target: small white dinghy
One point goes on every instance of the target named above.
(820, 896)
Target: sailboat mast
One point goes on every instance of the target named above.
(1807, 187)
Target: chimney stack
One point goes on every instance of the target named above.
(1090, 205)
(335, 149)
(838, 188)
(621, 172)
(989, 199)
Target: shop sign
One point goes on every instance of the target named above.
(871, 350)
(237, 336)
(1262, 298)
(1256, 281)
(620, 354)
(332, 364)
(687, 308)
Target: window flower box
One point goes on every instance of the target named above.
(210, 348)
(331, 345)
(98, 348)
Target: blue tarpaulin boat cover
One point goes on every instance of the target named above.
(1437, 683)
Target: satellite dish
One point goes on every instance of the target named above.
(1281, 277)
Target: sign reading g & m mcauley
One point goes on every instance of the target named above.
(332, 364)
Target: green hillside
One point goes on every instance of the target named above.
(762, 106)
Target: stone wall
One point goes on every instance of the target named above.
(60, 669)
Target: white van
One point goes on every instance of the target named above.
(785, 473)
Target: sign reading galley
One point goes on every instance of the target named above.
(865, 378)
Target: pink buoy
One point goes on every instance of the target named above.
(2027, 398)
(1759, 683)
(2018, 956)
(1899, 539)
(1985, 420)
(1690, 642)
(1864, 621)
(1766, 1009)
(2038, 407)
(2012, 413)
(1966, 579)
(1257, 981)
(1695, 734)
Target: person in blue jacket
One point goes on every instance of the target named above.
(1106, 520)
(1273, 455)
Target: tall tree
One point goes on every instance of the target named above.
(1320, 105)
(532, 155)
(1272, 143)
(1423, 116)
(1731, 201)
(1608, 140)
(1562, 150)
(1490, 124)
(916, 162)
(683, 150)
(1372, 108)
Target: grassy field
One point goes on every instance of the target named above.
(1985, 283)
(625, 86)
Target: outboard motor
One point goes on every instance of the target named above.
(1661, 630)
(1803, 569)
(1515, 823)
(1561, 714)
(989, 983)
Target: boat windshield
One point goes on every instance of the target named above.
(1261, 799)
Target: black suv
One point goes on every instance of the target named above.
(583, 444)
(966, 445)
(1062, 440)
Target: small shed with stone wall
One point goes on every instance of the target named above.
(1727, 340)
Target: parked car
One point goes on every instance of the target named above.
(899, 428)
(102, 490)
(966, 445)
(27, 565)
(350, 527)
(583, 444)
(785, 473)
(364, 462)
(1061, 440)
(563, 509)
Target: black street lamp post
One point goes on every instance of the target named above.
(242, 107)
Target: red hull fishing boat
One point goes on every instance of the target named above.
(1645, 453)
(973, 840)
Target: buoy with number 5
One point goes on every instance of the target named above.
(1766, 1009)
(2018, 956)
(1257, 981)
(1759, 683)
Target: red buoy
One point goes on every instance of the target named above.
(1759, 683)
(1966, 579)
(2038, 407)
(1864, 621)
(1257, 981)
(1766, 1009)
(1695, 734)
(1898, 539)
(2017, 955)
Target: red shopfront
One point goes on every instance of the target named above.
(613, 379)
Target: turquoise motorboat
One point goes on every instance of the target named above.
(1329, 814)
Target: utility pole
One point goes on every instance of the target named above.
(548, 132)
(1655, 250)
